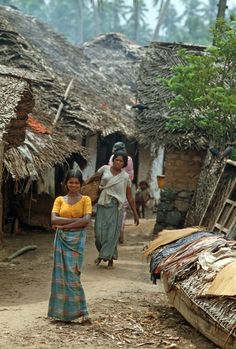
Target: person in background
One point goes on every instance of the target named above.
(142, 196)
(115, 189)
(70, 216)
(130, 170)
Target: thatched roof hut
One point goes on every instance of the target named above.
(27, 151)
(100, 97)
(157, 64)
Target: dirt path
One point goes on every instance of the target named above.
(126, 309)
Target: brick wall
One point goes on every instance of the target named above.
(182, 169)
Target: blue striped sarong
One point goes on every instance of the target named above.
(67, 301)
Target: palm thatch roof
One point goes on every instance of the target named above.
(99, 100)
(40, 151)
(27, 153)
(157, 64)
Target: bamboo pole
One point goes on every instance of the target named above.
(62, 103)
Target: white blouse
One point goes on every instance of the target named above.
(113, 186)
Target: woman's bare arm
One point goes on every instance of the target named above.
(77, 223)
(57, 220)
(132, 205)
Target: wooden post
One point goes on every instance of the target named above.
(1, 196)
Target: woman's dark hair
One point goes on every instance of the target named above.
(123, 154)
(74, 174)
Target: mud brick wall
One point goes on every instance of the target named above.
(182, 170)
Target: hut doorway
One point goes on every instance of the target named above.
(104, 150)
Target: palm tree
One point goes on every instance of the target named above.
(96, 20)
(117, 11)
(171, 26)
(162, 13)
(195, 28)
(136, 19)
(79, 28)
(209, 11)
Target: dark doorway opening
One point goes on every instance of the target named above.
(105, 145)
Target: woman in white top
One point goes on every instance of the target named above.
(130, 170)
(115, 188)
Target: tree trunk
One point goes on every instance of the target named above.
(96, 17)
(222, 8)
(136, 20)
(1, 196)
(80, 28)
(163, 10)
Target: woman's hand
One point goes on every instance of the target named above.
(60, 221)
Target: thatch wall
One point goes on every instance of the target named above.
(226, 186)
(159, 60)
(208, 180)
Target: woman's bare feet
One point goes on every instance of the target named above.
(97, 261)
(110, 263)
(85, 320)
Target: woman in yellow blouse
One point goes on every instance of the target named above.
(70, 216)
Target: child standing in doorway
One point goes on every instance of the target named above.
(142, 196)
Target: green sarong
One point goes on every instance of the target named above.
(107, 230)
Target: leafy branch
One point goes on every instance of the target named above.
(204, 89)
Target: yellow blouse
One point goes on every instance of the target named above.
(78, 210)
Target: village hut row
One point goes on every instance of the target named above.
(95, 113)
(105, 80)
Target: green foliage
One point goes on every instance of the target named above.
(205, 89)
